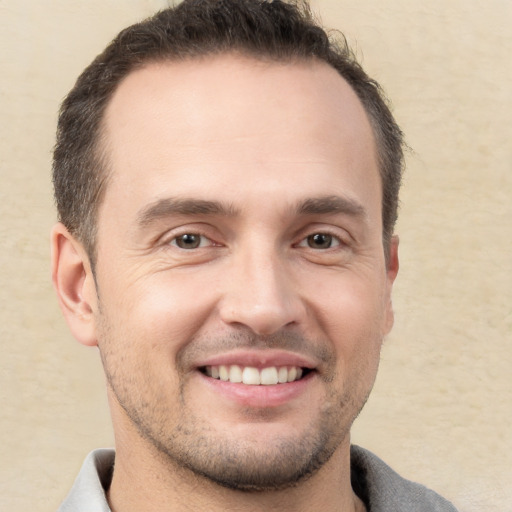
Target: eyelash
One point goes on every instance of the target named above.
(174, 241)
(333, 241)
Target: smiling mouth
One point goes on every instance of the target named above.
(252, 376)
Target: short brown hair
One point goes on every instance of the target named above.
(264, 29)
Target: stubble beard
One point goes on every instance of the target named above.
(240, 464)
(245, 465)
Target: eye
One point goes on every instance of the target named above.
(320, 241)
(190, 241)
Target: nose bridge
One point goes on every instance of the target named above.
(261, 292)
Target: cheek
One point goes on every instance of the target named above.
(351, 315)
(162, 311)
(352, 306)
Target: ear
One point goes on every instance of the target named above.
(74, 283)
(391, 273)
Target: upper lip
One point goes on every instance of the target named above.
(259, 359)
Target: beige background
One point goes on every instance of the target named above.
(441, 411)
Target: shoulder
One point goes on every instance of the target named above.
(384, 490)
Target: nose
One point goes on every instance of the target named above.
(261, 294)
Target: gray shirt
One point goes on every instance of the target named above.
(380, 488)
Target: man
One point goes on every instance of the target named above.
(227, 184)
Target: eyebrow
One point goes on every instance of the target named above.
(175, 206)
(330, 205)
(166, 207)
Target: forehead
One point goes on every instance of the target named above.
(229, 121)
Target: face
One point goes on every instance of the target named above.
(242, 290)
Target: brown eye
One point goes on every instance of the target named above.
(320, 241)
(189, 241)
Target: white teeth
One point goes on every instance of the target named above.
(269, 376)
(235, 374)
(253, 376)
(224, 373)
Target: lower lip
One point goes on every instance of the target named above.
(259, 396)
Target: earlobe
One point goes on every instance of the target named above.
(74, 283)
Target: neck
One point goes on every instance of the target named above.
(146, 481)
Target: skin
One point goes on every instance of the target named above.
(254, 159)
